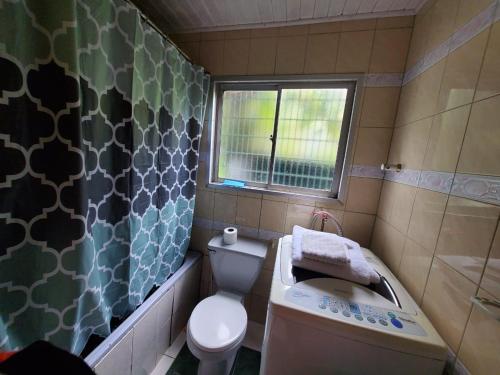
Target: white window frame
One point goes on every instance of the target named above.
(342, 165)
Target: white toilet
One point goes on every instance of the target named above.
(218, 324)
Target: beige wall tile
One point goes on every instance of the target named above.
(248, 211)
(258, 308)
(419, 39)
(426, 217)
(489, 79)
(426, 96)
(409, 143)
(404, 197)
(379, 106)
(236, 52)
(447, 303)
(469, 9)
(466, 235)
(185, 37)
(378, 240)
(213, 35)
(321, 53)
(386, 202)
(271, 255)
(265, 32)
(356, 25)
(358, 227)
(262, 285)
(262, 55)
(479, 349)
(324, 28)
(293, 30)
(199, 239)
(414, 268)
(363, 195)
(212, 56)
(491, 277)
(204, 204)
(393, 248)
(390, 49)
(192, 49)
(481, 149)
(273, 215)
(445, 141)
(372, 146)
(461, 73)
(406, 110)
(290, 54)
(442, 22)
(237, 34)
(297, 214)
(225, 207)
(354, 51)
(395, 22)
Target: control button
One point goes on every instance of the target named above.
(370, 319)
(346, 313)
(391, 315)
(322, 306)
(359, 317)
(396, 323)
(383, 322)
(333, 309)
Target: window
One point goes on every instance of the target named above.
(283, 136)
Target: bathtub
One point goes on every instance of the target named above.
(136, 345)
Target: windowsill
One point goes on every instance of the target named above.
(283, 193)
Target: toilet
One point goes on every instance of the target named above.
(217, 325)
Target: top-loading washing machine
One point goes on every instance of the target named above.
(317, 324)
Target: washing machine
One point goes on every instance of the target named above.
(318, 324)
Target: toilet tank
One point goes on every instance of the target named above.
(236, 267)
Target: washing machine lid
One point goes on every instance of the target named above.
(217, 323)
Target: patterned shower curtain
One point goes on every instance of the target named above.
(100, 123)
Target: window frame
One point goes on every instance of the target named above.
(277, 83)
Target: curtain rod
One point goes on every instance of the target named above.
(151, 23)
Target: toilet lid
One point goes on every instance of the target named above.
(217, 323)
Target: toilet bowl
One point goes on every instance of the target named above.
(217, 325)
(215, 332)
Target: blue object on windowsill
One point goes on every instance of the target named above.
(234, 183)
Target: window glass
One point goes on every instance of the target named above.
(245, 144)
(310, 121)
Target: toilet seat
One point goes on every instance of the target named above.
(217, 323)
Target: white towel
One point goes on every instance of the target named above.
(358, 270)
(324, 248)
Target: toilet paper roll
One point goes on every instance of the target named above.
(230, 235)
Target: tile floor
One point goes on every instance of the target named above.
(244, 365)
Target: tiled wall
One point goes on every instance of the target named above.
(437, 220)
(378, 47)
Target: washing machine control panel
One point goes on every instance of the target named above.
(343, 309)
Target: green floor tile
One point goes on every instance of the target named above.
(247, 363)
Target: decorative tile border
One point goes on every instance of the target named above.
(476, 187)
(436, 181)
(481, 188)
(368, 171)
(243, 230)
(405, 176)
(384, 80)
(458, 39)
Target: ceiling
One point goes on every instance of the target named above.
(208, 15)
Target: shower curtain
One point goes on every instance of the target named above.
(100, 124)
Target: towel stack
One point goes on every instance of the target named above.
(332, 255)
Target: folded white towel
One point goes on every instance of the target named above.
(358, 270)
(322, 247)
